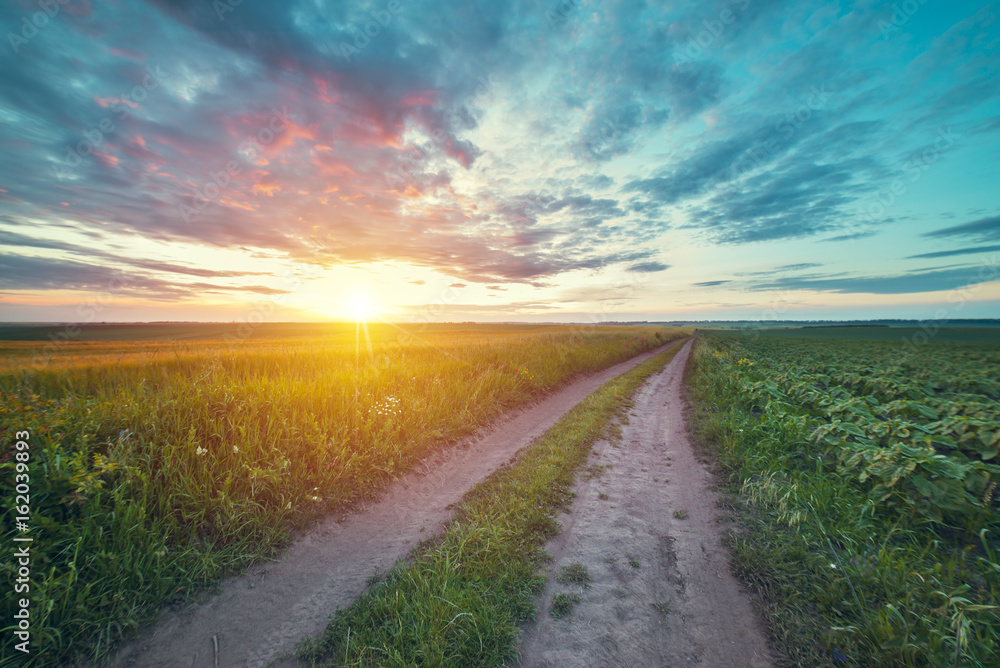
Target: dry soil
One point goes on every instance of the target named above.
(646, 526)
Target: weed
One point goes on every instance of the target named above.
(562, 604)
(680, 514)
(575, 573)
(632, 560)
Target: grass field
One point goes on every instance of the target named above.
(156, 467)
(865, 474)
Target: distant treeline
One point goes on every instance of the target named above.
(954, 322)
(866, 324)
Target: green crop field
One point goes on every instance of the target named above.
(158, 466)
(866, 474)
(931, 332)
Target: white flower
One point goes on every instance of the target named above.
(200, 451)
(235, 449)
(833, 566)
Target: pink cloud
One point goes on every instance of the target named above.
(123, 53)
(422, 98)
(80, 8)
(108, 101)
(106, 159)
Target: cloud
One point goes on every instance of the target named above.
(984, 229)
(709, 284)
(457, 285)
(14, 239)
(959, 251)
(36, 273)
(799, 266)
(648, 267)
(935, 280)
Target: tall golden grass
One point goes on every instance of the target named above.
(159, 466)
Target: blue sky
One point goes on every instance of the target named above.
(556, 161)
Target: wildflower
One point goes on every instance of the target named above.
(235, 449)
(200, 451)
(833, 566)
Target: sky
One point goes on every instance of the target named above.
(587, 161)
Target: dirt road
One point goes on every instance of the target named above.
(647, 529)
(260, 616)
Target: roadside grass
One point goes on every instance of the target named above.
(159, 467)
(562, 604)
(458, 602)
(842, 579)
(575, 573)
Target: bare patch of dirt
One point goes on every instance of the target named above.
(648, 531)
(258, 618)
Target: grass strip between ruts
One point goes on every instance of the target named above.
(459, 601)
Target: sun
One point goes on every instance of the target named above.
(360, 307)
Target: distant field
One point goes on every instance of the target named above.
(49, 346)
(941, 334)
(196, 331)
(159, 466)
